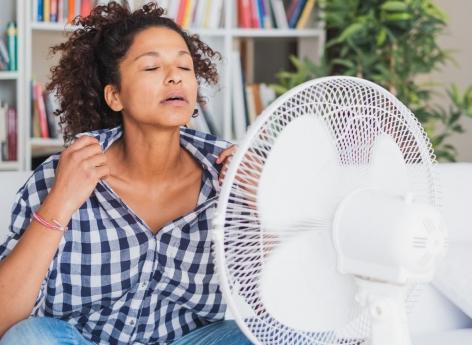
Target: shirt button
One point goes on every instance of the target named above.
(131, 322)
(143, 284)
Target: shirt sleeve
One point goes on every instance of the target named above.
(27, 200)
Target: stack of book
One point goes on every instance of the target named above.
(8, 132)
(187, 13)
(248, 100)
(61, 11)
(269, 14)
(8, 49)
(44, 124)
(205, 14)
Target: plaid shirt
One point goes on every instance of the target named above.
(115, 280)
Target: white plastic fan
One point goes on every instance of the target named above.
(328, 217)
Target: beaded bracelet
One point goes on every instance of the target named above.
(55, 225)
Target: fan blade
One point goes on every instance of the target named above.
(388, 170)
(301, 288)
(299, 178)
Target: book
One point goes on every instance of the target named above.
(187, 19)
(43, 122)
(198, 20)
(3, 130)
(254, 14)
(307, 10)
(12, 136)
(60, 10)
(173, 9)
(238, 90)
(12, 37)
(4, 56)
(71, 10)
(244, 13)
(181, 13)
(293, 18)
(46, 10)
(279, 14)
(53, 16)
(85, 7)
(215, 14)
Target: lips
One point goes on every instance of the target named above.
(174, 98)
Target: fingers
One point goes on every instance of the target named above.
(226, 153)
(83, 141)
(97, 160)
(102, 171)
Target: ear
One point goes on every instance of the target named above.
(112, 97)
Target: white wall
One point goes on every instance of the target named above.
(459, 39)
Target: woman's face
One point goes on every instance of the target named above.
(158, 83)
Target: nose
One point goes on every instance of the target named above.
(173, 76)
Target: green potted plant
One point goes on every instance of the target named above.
(392, 43)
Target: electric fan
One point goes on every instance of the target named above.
(328, 218)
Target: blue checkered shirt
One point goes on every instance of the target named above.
(115, 280)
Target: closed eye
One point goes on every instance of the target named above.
(185, 68)
(151, 68)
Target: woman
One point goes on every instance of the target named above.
(109, 241)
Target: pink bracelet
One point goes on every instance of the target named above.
(55, 225)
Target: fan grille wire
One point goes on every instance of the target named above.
(356, 112)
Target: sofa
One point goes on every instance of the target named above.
(442, 314)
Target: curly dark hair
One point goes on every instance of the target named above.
(90, 60)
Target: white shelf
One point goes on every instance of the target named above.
(47, 26)
(276, 33)
(8, 75)
(40, 35)
(13, 165)
(43, 146)
(235, 32)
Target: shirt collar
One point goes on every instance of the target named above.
(188, 139)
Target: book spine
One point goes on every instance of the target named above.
(47, 10)
(180, 15)
(12, 46)
(78, 6)
(3, 128)
(12, 134)
(301, 24)
(4, 56)
(60, 11)
(43, 122)
(260, 12)
(245, 13)
(292, 23)
(40, 11)
(53, 16)
(215, 16)
(71, 12)
(254, 15)
(85, 8)
(188, 13)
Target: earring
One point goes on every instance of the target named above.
(195, 113)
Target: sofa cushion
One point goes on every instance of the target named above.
(454, 274)
(456, 337)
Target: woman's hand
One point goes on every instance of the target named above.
(80, 168)
(225, 158)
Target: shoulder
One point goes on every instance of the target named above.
(38, 185)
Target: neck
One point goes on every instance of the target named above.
(148, 153)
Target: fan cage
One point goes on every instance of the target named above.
(356, 112)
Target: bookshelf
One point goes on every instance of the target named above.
(11, 82)
(39, 36)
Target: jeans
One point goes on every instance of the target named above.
(50, 331)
